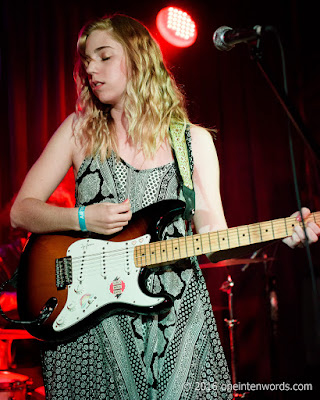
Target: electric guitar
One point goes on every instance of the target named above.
(82, 279)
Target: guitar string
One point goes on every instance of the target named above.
(254, 229)
(160, 247)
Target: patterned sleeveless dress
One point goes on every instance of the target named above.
(132, 357)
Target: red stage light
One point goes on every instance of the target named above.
(176, 27)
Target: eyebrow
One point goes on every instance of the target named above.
(99, 49)
(102, 48)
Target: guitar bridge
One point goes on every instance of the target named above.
(63, 272)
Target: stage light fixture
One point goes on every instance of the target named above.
(176, 27)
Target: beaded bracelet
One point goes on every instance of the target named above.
(82, 221)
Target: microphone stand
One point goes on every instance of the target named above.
(227, 287)
(256, 55)
(312, 145)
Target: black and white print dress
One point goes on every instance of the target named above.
(173, 356)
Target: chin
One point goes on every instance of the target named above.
(106, 100)
(102, 100)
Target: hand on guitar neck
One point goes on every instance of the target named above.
(297, 239)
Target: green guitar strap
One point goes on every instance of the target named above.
(179, 145)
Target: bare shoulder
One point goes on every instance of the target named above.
(52, 165)
(66, 127)
(198, 133)
(201, 142)
(64, 138)
(58, 154)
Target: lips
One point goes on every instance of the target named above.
(96, 85)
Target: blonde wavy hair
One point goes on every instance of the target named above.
(152, 101)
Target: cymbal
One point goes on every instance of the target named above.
(236, 261)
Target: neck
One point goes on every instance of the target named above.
(120, 120)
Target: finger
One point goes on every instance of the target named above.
(299, 231)
(287, 241)
(305, 213)
(112, 231)
(295, 239)
(312, 236)
(120, 218)
(125, 205)
(114, 228)
(116, 212)
(118, 207)
(314, 227)
(122, 208)
(312, 230)
(107, 228)
(299, 237)
(292, 242)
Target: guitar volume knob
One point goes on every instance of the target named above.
(78, 289)
(71, 306)
(60, 321)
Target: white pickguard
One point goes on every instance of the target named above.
(102, 273)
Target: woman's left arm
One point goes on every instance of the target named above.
(209, 214)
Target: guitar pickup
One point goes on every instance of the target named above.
(63, 272)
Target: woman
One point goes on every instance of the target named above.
(119, 146)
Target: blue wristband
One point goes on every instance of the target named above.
(82, 221)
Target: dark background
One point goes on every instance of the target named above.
(225, 90)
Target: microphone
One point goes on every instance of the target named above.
(225, 38)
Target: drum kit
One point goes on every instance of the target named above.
(227, 287)
(13, 386)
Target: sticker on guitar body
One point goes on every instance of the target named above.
(117, 287)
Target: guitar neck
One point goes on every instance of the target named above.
(155, 253)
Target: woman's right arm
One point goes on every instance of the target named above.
(30, 210)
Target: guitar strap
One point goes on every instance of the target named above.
(181, 153)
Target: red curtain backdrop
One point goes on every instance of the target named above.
(224, 90)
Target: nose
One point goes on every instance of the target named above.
(91, 67)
